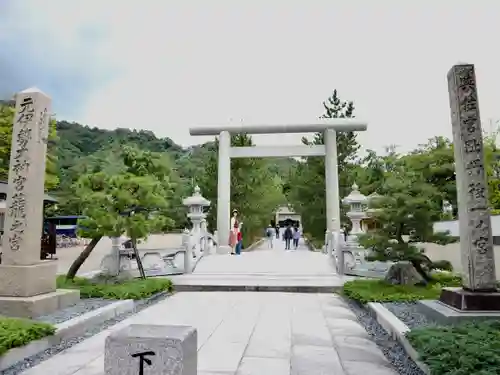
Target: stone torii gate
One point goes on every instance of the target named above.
(329, 127)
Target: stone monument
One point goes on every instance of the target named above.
(28, 284)
(479, 292)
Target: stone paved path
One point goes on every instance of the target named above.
(249, 333)
(264, 267)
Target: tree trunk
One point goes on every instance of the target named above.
(78, 262)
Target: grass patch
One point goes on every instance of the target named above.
(463, 349)
(365, 291)
(112, 289)
(18, 332)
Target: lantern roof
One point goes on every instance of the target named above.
(355, 196)
(196, 199)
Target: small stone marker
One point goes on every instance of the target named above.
(476, 243)
(152, 350)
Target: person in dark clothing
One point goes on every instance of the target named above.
(277, 231)
(288, 235)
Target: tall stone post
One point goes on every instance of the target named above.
(332, 181)
(476, 244)
(224, 193)
(22, 274)
(332, 193)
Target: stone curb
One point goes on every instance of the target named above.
(397, 329)
(66, 330)
(254, 245)
(310, 245)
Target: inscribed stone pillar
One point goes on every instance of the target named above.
(28, 284)
(25, 195)
(476, 243)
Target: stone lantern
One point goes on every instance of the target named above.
(196, 205)
(357, 203)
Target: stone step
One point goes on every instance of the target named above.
(258, 288)
(259, 283)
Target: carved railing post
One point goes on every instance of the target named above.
(188, 254)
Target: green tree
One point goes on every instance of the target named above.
(256, 191)
(7, 113)
(131, 202)
(435, 162)
(492, 164)
(306, 185)
(405, 214)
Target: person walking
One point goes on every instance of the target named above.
(288, 235)
(296, 238)
(270, 234)
(278, 232)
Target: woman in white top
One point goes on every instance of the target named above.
(233, 231)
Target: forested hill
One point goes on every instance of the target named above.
(80, 147)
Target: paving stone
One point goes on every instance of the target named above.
(271, 338)
(315, 360)
(331, 300)
(339, 313)
(345, 327)
(96, 367)
(356, 348)
(310, 329)
(366, 368)
(353, 341)
(220, 357)
(264, 366)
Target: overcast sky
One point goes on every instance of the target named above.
(168, 65)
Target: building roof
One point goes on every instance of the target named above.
(4, 187)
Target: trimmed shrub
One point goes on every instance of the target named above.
(131, 289)
(19, 332)
(463, 349)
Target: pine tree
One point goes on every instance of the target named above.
(307, 183)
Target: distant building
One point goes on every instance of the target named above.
(3, 202)
(286, 216)
(453, 227)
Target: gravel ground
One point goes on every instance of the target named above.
(91, 331)
(83, 306)
(408, 313)
(394, 352)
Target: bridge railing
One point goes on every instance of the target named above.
(196, 243)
